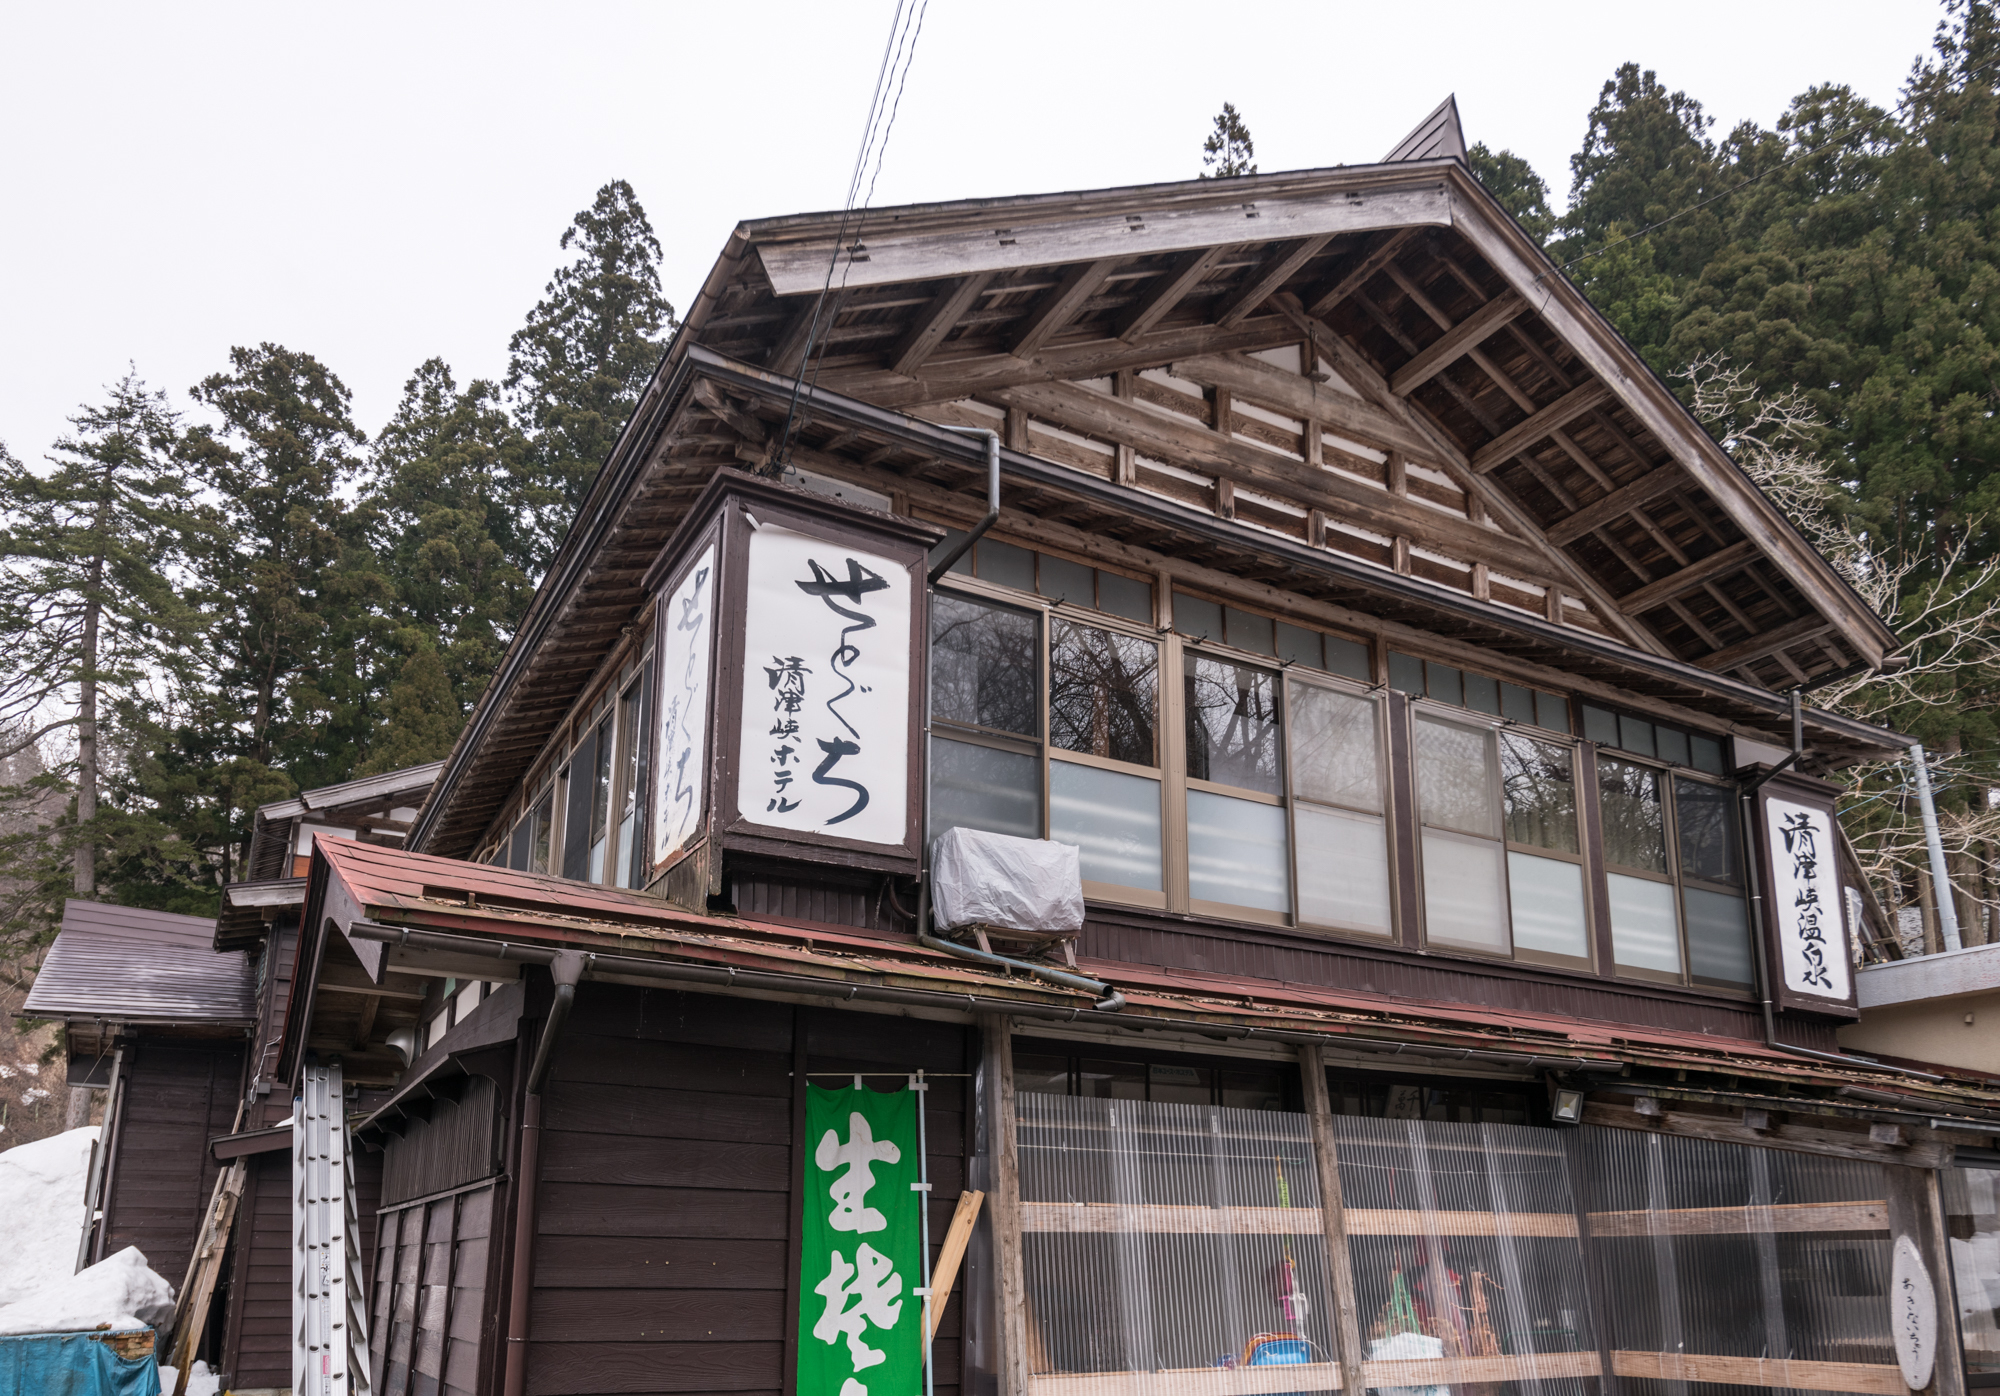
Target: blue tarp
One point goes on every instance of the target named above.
(73, 1364)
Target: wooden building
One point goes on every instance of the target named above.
(1427, 696)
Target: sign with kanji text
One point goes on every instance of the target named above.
(860, 1320)
(1807, 910)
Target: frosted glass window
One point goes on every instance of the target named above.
(1113, 818)
(1249, 632)
(1343, 869)
(1718, 938)
(981, 787)
(1336, 756)
(1406, 673)
(1456, 778)
(1482, 694)
(1196, 617)
(1348, 658)
(1643, 930)
(1237, 852)
(1445, 683)
(1005, 564)
(1297, 645)
(1064, 580)
(1124, 596)
(1465, 896)
(1547, 898)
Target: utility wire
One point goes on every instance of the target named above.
(899, 51)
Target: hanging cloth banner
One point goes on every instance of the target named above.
(860, 1320)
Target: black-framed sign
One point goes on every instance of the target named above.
(1808, 951)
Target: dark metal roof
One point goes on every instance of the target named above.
(131, 965)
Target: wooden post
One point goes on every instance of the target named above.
(946, 1273)
(1916, 1210)
(1340, 1272)
(1004, 1207)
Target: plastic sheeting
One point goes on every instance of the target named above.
(73, 1364)
(1014, 884)
(1972, 1207)
(1169, 1240)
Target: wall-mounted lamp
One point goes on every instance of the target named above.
(1565, 1103)
(403, 1041)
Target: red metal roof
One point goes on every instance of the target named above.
(414, 890)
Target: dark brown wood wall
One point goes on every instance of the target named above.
(454, 1146)
(668, 1176)
(179, 1094)
(428, 1295)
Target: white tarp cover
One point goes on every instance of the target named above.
(1014, 884)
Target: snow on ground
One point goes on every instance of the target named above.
(41, 1196)
(201, 1381)
(41, 1291)
(119, 1290)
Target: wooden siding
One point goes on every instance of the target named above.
(667, 1202)
(430, 1294)
(455, 1146)
(179, 1095)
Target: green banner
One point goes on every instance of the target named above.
(860, 1323)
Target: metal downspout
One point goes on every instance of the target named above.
(566, 968)
(1110, 1003)
(1941, 894)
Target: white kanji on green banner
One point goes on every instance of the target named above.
(860, 1319)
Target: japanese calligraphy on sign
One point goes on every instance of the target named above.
(826, 689)
(860, 1319)
(1913, 1316)
(1807, 911)
(687, 633)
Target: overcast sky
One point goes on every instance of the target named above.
(376, 183)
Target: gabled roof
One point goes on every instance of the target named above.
(130, 965)
(1462, 445)
(1438, 136)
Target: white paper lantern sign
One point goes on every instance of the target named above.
(1913, 1320)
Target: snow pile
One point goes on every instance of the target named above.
(119, 1290)
(201, 1381)
(41, 1197)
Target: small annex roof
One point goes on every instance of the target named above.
(393, 908)
(1439, 136)
(130, 965)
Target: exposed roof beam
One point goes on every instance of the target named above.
(939, 316)
(1762, 646)
(1619, 502)
(1456, 342)
(1560, 413)
(788, 354)
(1169, 291)
(1278, 268)
(1363, 270)
(1061, 305)
(1716, 564)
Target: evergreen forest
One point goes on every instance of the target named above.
(218, 594)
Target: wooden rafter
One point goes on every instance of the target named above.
(1169, 291)
(936, 322)
(1717, 564)
(1620, 501)
(788, 354)
(1455, 343)
(1352, 280)
(1281, 266)
(1060, 305)
(1560, 413)
(1763, 646)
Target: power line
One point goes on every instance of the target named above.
(899, 52)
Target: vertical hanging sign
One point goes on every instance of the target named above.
(1806, 904)
(860, 1319)
(825, 741)
(687, 630)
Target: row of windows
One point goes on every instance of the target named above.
(1263, 792)
(585, 821)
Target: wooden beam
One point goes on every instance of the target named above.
(1354, 279)
(1060, 306)
(1169, 291)
(1717, 564)
(944, 311)
(1764, 1373)
(1278, 268)
(787, 356)
(1763, 646)
(1004, 1205)
(1455, 342)
(1615, 505)
(1743, 1221)
(1301, 397)
(1560, 413)
(1333, 1212)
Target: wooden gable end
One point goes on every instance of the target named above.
(1400, 371)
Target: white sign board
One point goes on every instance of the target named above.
(825, 740)
(680, 783)
(1806, 902)
(1913, 1319)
